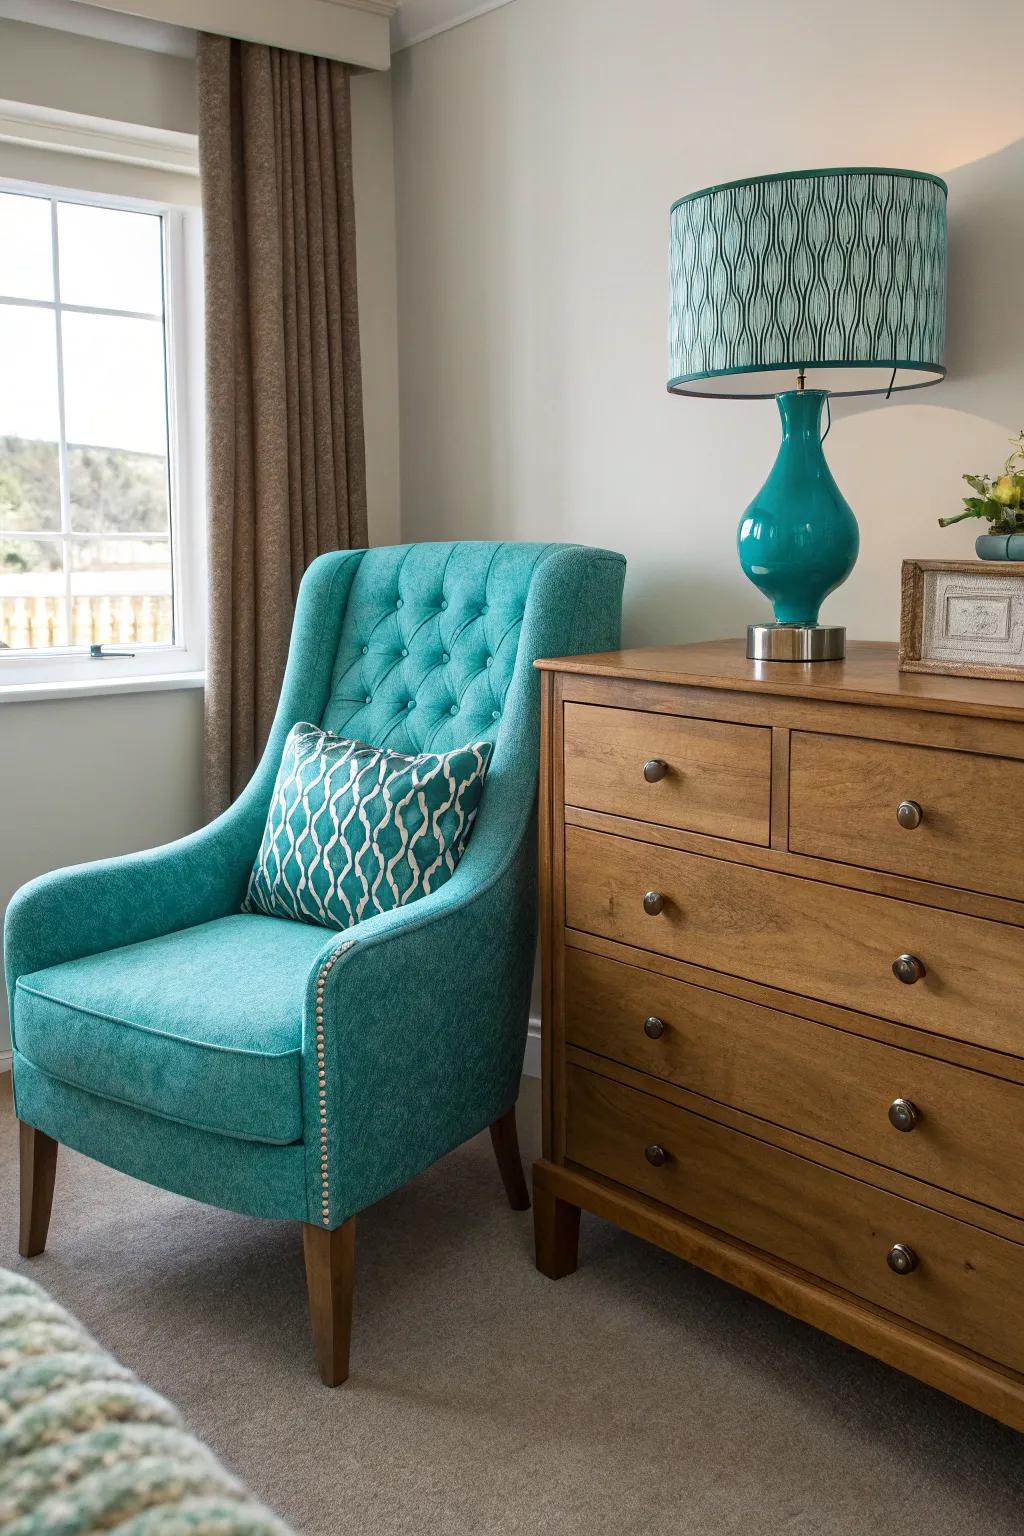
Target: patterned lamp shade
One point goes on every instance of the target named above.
(841, 273)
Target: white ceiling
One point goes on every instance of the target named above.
(416, 20)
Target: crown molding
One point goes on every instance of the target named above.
(403, 37)
(377, 7)
(352, 31)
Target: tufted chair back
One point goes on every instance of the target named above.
(429, 643)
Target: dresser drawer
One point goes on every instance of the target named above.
(837, 1087)
(844, 795)
(802, 936)
(714, 778)
(968, 1284)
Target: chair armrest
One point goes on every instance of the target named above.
(424, 1018)
(103, 905)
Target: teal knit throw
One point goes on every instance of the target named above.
(85, 1448)
(355, 830)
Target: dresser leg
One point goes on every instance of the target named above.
(556, 1231)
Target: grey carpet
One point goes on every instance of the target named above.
(637, 1396)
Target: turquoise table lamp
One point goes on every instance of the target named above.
(804, 285)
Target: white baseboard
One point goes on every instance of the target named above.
(531, 1062)
(5, 1057)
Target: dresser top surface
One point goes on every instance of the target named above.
(869, 675)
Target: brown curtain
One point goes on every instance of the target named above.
(286, 476)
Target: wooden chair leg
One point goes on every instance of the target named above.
(556, 1229)
(38, 1154)
(330, 1274)
(505, 1141)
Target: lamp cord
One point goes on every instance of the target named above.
(828, 405)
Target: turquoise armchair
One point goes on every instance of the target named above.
(283, 1069)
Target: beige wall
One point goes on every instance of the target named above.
(87, 778)
(97, 78)
(538, 150)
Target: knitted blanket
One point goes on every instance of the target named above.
(85, 1447)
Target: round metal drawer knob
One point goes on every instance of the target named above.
(655, 770)
(654, 902)
(903, 1115)
(909, 814)
(908, 969)
(901, 1259)
(656, 1155)
(654, 1027)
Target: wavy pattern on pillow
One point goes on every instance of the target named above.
(354, 830)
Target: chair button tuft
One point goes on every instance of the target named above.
(404, 651)
(367, 699)
(411, 704)
(489, 662)
(399, 603)
(495, 714)
(454, 709)
(444, 602)
(366, 650)
(445, 656)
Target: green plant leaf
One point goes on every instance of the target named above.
(1000, 497)
(958, 517)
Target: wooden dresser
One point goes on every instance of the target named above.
(783, 935)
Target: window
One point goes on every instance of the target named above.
(93, 569)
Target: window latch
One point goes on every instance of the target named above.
(97, 653)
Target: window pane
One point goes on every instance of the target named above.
(114, 491)
(114, 395)
(110, 259)
(29, 485)
(121, 592)
(26, 252)
(32, 607)
(28, 373)
(29, 475)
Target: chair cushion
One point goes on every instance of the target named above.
(203, 1026)
(355, 830)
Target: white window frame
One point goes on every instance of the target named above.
(56, 671)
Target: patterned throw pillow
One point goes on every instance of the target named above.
(354, 830)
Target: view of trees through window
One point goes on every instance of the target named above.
(85, 552)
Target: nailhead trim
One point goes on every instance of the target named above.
(321, 1074)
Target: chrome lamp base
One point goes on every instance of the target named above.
(796, 642)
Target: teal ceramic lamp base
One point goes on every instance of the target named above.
(798, 540)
